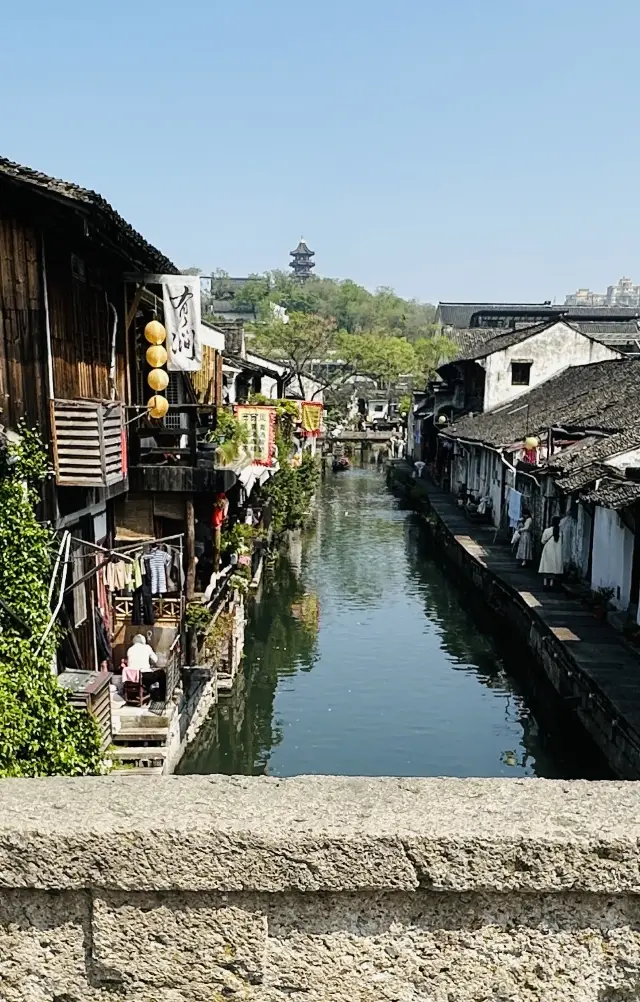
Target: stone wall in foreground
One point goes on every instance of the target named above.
(202, 889)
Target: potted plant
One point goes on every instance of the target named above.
(602, 602)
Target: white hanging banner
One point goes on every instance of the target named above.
(181, 296)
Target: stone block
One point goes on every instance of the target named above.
(194, 943)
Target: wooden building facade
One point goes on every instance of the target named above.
(63, 357)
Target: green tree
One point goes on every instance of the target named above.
(303, 339)
(41, 734)
(354, 308)
(385, 359)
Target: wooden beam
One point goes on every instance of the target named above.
(190, 540)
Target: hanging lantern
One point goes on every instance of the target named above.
(158, 406)
(158, 379)
(531, 443)
(156, 356)
(155, 332)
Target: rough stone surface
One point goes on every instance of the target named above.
(319, 890)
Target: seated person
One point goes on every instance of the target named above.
(141, 657)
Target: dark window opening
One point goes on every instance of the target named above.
(520, 373)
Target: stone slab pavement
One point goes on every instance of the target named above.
(598, 649)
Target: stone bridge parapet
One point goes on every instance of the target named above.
(319, 889)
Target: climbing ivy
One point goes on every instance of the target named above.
(41, 734)
(290, 492)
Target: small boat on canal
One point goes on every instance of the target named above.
(340, 463)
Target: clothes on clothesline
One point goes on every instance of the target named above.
(118, 575)
(142, 613)
(514, 510)
(158, 562)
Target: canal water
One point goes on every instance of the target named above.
(362, 658)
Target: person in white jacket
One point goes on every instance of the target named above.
(551, 562)
(141, 656)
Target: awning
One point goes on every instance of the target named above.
(255, 474)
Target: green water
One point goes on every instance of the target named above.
(362, 659)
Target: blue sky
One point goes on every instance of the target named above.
(453, 149)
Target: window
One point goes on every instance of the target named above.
(520, 373)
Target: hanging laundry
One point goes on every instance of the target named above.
(136, 572)
(118, 575)
(158, 562)
(142, 613)
(515, 507)
(176, 572)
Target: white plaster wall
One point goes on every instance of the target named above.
(612, 556)
(269, 387)
(624, 459)
(551, 351)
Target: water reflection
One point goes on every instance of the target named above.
(362, 659)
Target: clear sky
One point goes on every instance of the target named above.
(454, 149)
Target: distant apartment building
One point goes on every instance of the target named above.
(624, 293)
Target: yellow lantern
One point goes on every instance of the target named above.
(155, 332)
(531, 442)
(156, 356)
(158, 406)
(158, 379)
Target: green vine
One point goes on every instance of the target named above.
(41, 734)
(198, 616)
(291, 491)
(229, 435)
(238, 538)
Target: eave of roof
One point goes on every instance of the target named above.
(93, 203)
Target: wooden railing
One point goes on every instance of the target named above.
(88, 442)
(177, 440)
(163, 608)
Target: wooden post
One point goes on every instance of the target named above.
(191, 550)
(217, 547)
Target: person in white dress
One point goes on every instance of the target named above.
(551, 563)
(524, 553)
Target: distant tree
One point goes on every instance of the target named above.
(354, 308)
(303, 340)
(191, 271)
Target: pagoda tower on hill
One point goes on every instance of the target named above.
(302, 261)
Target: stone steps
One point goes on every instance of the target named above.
(143, 735)
(137, 753)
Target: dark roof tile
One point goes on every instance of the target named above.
(614, 494)
(599, 397)
(95, 204)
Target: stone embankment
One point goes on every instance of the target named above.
(593, 672)
(324, 889)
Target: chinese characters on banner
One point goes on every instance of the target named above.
(260, 423)
(181, 297)
(311, 417)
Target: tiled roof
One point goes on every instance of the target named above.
(96, 205)
(581, 478)
(469, 340)
(499, 340)
(595, 451)
(481, 347)
(459, 314)
(599, 397)
(614, 494)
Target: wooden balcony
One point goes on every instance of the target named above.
(88, 442)
(173, 454)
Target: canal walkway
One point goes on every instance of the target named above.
(601, 677)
